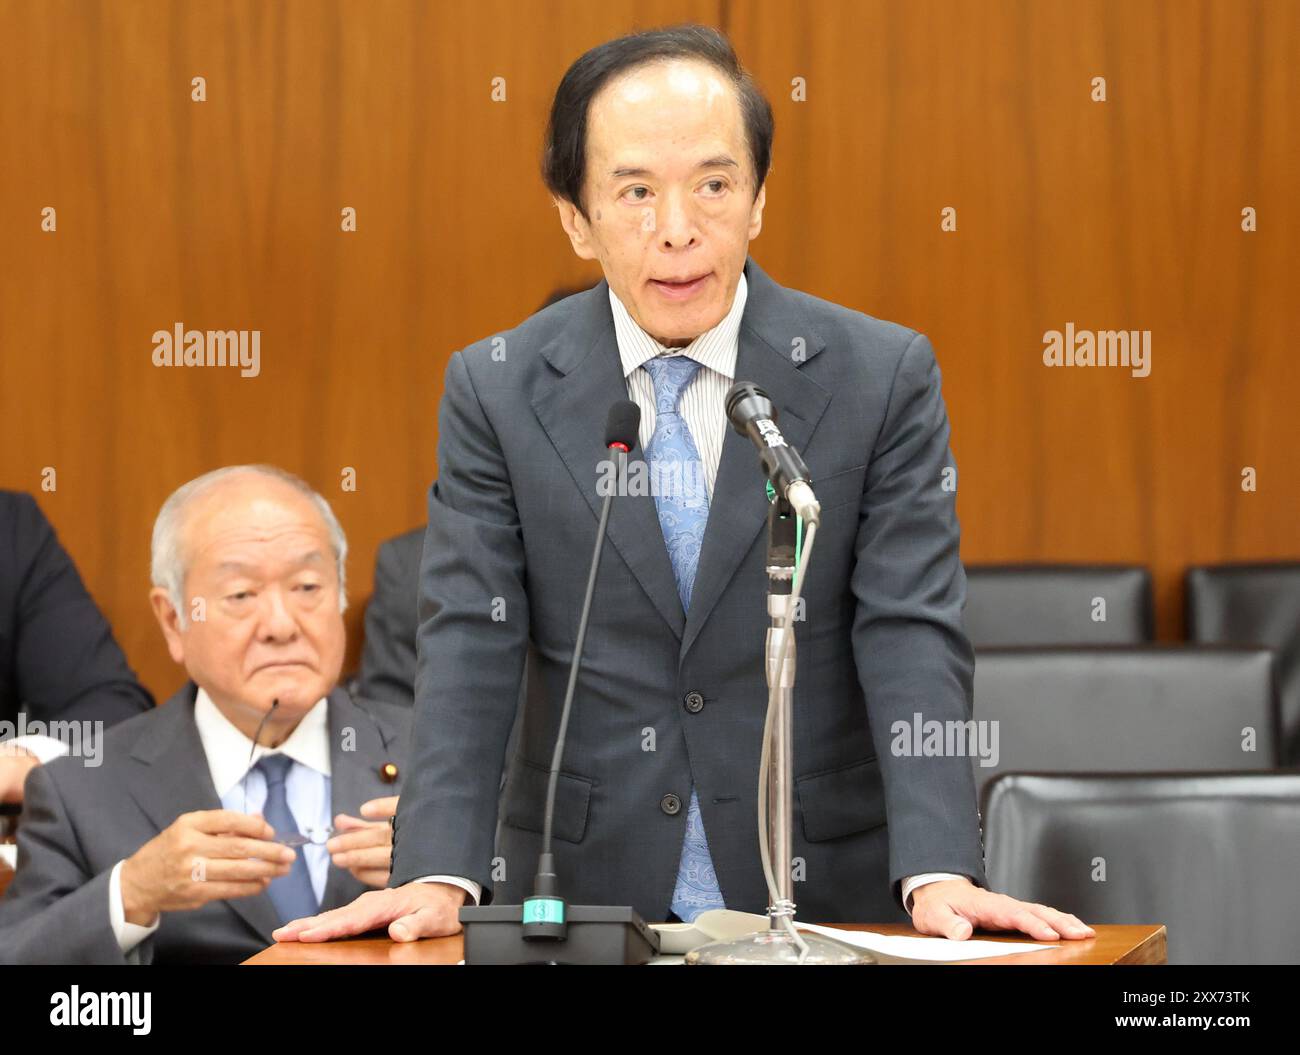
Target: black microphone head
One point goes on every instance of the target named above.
(623, 423)
(745, 402)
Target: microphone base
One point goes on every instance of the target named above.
(773, 947)
(594, 934)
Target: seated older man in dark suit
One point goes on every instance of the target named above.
(59, 665)
(258, 793)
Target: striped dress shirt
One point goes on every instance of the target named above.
(703, 401)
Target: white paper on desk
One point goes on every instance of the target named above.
(934, 950)
(726, 924)
(9, 854)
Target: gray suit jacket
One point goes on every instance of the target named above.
(388, 656)
(79, 822)
(388, 652)
(512, 517)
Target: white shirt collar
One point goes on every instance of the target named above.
(228, 749)
(714, 348)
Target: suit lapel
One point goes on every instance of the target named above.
(776, 339)
(573, 412)
(183, 784)
(174, 778)
(772, 328)
(360, 743)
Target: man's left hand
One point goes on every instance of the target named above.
(366, 846)
(953, 908)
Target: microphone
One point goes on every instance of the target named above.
(552, 930)
(622, 426)
(750, 410)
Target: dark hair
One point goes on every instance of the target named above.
(564, 156)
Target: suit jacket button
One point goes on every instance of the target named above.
(694, 702)
(671, 804)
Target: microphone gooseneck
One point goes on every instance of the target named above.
(544, 911)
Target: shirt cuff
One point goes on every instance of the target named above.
(473, 889)
(912, 882)
(128, 935)
(45, 748)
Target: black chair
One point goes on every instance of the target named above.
(1054, 604)
(1212, 856)
(1145, 708)
(1254, 604)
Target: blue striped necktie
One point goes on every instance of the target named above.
(293, 895)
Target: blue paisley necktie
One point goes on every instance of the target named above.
(677, 479)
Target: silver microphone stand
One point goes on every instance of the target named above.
(780, 942)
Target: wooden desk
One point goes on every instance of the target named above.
(1113, 945)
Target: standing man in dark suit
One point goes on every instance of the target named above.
(657, 155)
(58, 660)
(174, 848)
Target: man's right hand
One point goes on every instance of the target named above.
(410, 912)
(210, 855)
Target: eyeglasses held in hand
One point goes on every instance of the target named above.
(312, 836)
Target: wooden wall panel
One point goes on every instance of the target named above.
(1122, 214)
(226, 215)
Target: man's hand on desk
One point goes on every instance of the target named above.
(952, 908)
(366, 846)
(416, 910)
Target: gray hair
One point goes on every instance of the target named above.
(168, 565)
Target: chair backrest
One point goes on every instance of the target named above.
(1144, 708)
(1057, 604)
(1212, 856)
(1254, 604)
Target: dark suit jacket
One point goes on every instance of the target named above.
(388, 653)
(58, 659)
(512, 517)
(79, 822)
